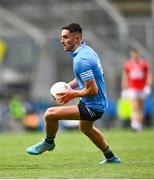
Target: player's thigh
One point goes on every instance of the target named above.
(70, 112)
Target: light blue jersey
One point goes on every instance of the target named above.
(87, 66)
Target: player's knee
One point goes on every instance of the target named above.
(84, 129)
(50, 114)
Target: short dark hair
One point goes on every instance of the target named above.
(73, 28)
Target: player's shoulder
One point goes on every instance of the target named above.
(86, 48)
(87, 55)
(81, 59)
(144, 61)
(128, 65)
(128, 62)
(84, 54)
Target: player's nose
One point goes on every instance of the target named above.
(62, 41)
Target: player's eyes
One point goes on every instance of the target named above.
(64, 37)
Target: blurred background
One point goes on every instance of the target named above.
(32, 59)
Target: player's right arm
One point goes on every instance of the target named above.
(124, 82)
(73, 84)
(90, 90)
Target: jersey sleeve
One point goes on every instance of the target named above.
(146, 66)
(85, 70)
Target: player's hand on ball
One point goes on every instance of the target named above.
(56, 90)
(66, 95)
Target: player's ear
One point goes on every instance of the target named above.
(78, 37)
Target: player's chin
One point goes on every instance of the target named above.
(66, 49)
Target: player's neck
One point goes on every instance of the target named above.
(76, 46)
(135, 59)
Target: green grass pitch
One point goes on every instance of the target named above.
(76, 157)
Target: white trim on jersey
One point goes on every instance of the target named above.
(86, 74)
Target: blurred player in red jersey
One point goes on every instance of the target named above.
(136, 86)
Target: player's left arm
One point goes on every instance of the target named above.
(149, 78)
(148, 73)
(73, 84)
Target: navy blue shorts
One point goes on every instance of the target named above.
(88, 114)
